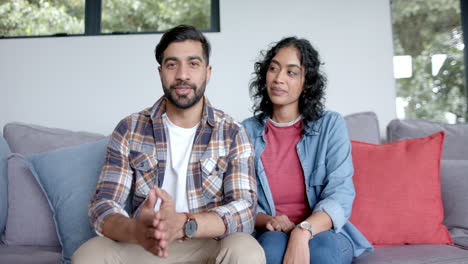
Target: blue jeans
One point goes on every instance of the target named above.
(326, 247)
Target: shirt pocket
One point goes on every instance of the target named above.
(213, 169)
(316, 184)
(318, 176)
(145, 167)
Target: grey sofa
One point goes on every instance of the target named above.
(31, 234)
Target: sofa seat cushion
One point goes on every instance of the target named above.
(415, 254)
(29, 255)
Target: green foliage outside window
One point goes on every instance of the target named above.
(421, 29)
(32, 18)
(49, 17)
(153, 15)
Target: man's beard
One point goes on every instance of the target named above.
(183, 101)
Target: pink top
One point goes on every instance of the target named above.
(284, 171)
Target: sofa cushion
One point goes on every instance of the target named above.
(29, 221)
(415, 254)
(27, 139)
(363, 127)
(454, 179)
(456, 135)
(398, 192)
(4, 151)
(460, 237)
(68, 177)
(29, 255)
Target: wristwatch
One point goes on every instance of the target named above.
(190, 227)
(307, 226)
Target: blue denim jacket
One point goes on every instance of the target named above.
(325, 154)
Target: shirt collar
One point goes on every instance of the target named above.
(312, 129)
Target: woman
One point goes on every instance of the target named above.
(303, 162)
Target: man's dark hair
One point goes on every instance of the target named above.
(311, 100)
(178, 34)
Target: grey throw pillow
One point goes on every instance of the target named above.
(456, 136)
(363, 127)
(4, 151)
(29, 220)
(454, 181)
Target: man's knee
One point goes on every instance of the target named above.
(240, 248)
(96, 250)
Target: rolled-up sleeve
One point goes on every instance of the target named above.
(115, 180)
(240, 196)
(260, 209)
(337, 196)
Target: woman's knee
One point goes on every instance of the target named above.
(274, 244)
(330, 247)
(273, 239)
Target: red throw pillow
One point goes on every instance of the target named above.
(398, 193)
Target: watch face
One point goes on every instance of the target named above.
(191, 228)
(306, 225)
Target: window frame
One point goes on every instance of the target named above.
(464, 22)
(92, 21)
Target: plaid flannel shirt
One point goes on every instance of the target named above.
(220, 174)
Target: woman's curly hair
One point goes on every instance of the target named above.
(311, 100)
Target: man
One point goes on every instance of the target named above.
(187, 169)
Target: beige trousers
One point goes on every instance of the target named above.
(236, 248)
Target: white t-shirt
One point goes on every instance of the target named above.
(180, 142)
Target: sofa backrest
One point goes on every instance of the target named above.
(456, 136)
(364, 127)
(29, 139)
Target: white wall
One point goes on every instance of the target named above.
(90, 83)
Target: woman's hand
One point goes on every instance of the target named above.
(280, 223)
(298, 247)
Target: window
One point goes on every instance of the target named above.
(26, 18)
(429, 61)
(32, 18)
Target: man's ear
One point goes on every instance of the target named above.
(159, 69)
(208, 73)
